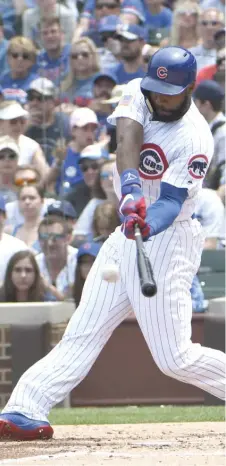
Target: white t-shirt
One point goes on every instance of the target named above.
(84, 223)
(66, 276)
(178, 153)
(210, 212)
(219, 138)
(14, 216)
(204, 57)
(28, 147)
(8, 247)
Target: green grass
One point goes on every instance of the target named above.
(137, 414)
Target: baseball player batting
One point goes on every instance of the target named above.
(164, 148)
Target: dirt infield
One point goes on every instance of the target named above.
(178, 444)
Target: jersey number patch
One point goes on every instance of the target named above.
(153, 162)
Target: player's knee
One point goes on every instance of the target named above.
(174, 366)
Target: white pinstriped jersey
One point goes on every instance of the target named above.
(177, 153)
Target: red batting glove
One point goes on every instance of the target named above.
(129, 225)
(132, 202)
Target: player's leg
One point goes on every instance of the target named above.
(165, 319)
(103, 306)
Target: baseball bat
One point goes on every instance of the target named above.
(146, 276)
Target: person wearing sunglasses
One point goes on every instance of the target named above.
(102, 190)
(110, 48)
(210, 71)
(132, 39)
(21, 56)
(210, 21)
(185, 31)
(58, 260)
(46, 126)
(25, 175)
(83, 124)
(9, 156)
(84, 64)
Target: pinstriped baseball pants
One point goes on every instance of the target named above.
(165, 321)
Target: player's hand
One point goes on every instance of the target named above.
(129, 225)
(132, 197)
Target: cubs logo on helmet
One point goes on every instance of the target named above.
(153, 162)
(162, 72)
(197, 166)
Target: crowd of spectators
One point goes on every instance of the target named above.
(64, 66)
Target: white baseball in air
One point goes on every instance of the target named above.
(110, 273)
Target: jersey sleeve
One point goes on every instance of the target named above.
(131, 104)
(188, 167)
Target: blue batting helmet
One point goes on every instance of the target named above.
(170, 71)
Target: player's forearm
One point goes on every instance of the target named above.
(129, 142)
(165, 210)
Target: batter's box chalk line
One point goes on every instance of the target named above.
(107, 454)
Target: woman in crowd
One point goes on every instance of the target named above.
(21, 55)
(86, 256)
(84, 64)
(184, 31)
(25, 175)
(30, 199)
(13, 122)
(103, 190)
(23, 282)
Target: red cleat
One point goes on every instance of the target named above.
(16, 426)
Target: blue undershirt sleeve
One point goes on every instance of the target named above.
(163, 212)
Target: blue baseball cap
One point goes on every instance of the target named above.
(131, 31)
(90, 248)
(93, 152)
(106, 74)
(108, 24)
(209, 90)
(62, 209)
(2, 204)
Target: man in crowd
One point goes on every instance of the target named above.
(53, 60)
(64, 210)
(103, 84)
(33, 17)
(45, 125)
(110, 49)
(65, 170)
(210, 21)
(58, 260)
(89, 162)
(8, 244)
(209, 71)
(132, 40)
(209, 98)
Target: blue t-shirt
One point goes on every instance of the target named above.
(80, 93)
(7, 82)
(3, 56)
(124, 77)
(54, 69)
(70, 172)
(161, 20)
